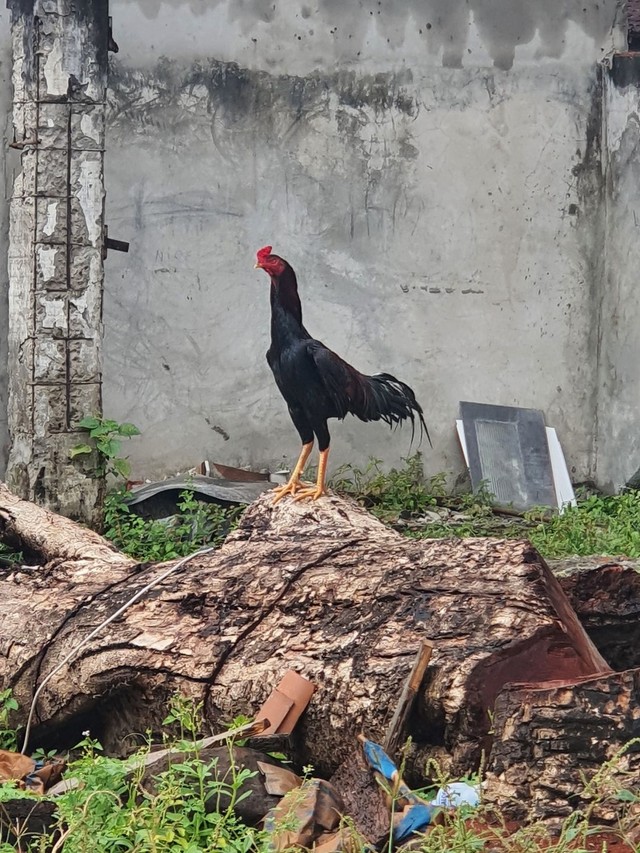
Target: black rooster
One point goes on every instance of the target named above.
(317, 384)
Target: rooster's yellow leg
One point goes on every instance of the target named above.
(293, 485)
(314, 492)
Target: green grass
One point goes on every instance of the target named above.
(598, 525)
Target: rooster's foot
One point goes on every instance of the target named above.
(310, 494)
(289, 488)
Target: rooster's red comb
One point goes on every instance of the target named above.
(264, 253)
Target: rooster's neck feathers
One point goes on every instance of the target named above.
(286, 310)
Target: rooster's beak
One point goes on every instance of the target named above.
(257, 266)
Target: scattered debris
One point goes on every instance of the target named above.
(304, 814)
(278, 780)
(307, 813)
(30, 773)
(286, 703)
(210, 482)
(14, 766)
(456, 794)
(412, 814)
(415, 819)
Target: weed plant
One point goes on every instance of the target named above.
(196, 524)
(599, 524)
(114, 807)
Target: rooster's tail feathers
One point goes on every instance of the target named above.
(388, 399)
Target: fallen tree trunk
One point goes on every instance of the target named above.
(322, 588)
(559, 747)
(605, 595)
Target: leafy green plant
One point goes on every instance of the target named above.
(243, 720)
(196, 524)
(106, 442)
(238, 721)
(115, 807)
(8, 555)
(8, 735)
(402, 492)
(186, 714)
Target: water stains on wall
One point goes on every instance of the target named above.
(444, 25)
(245, 97)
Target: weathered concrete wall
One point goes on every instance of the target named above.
(429, 168)
(618, 452)
(6, 181)
(433, 175)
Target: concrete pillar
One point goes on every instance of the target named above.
(56, 248)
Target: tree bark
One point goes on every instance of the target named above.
(551, 740)
(605, 595)
(322, 588)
